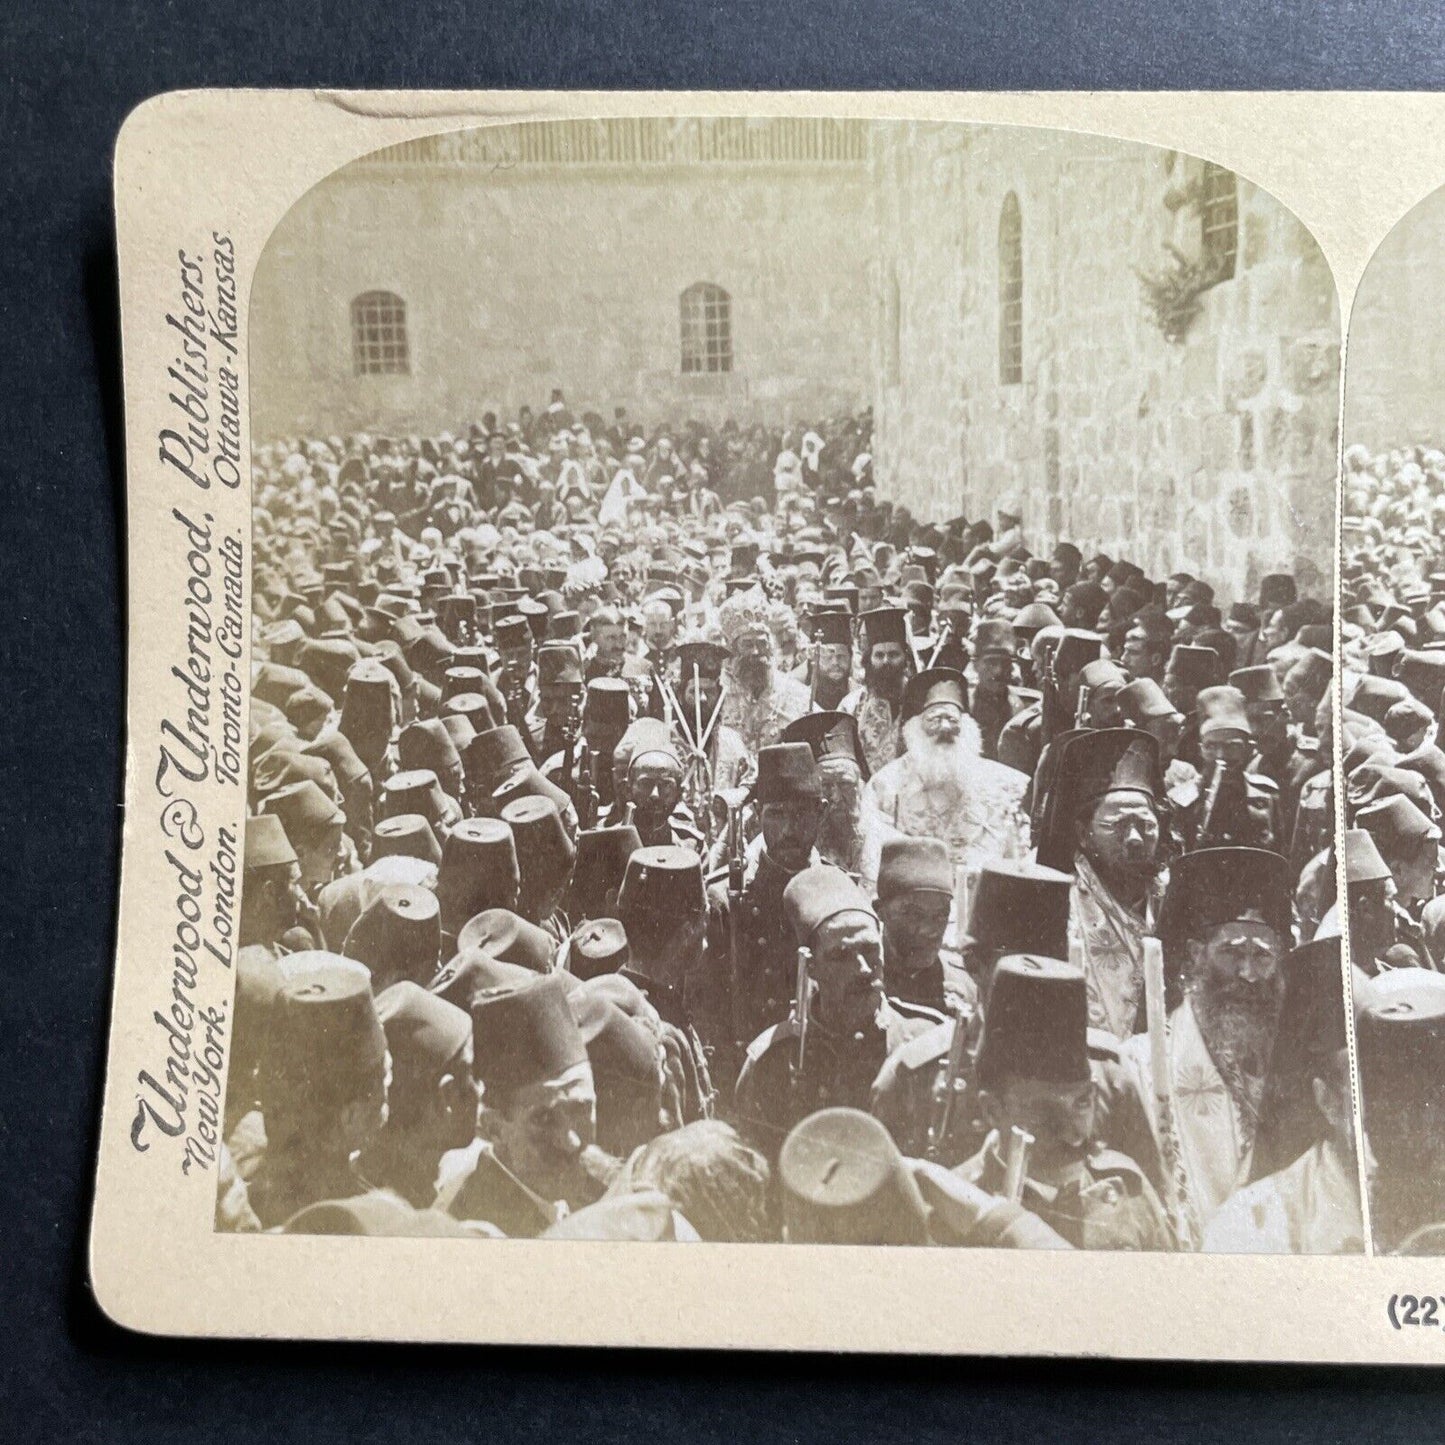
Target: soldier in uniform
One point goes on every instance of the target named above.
(1022, 742)
(1034, 1076)
(1400, 1040)
(606, 715)
(1270, 729)
(433, 1101)
(842, 1026)
(749, 938)
(1190, 668)
(922, 1093)
(322, 1086)
(478, 871)
(996, 701)
(517, 673)
(539, 1111)
(1372, 909)
(662, 906)
(597, 871)
(653, 790)
(1234, 807)
(914, 898)
(313, 824)
(556, 726)
(843, 1181)
(397, 936)
(272, 899)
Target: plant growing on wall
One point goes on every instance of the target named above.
(1172, 292)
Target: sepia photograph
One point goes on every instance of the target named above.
(1392, 628)
(791, 699)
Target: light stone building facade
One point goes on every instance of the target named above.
(1395, 380)
(557, 255)
(980, 287)
(1214, 452)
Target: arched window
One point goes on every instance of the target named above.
(1219, 219)
(378, 334)
(1010, 293)
(706, 318)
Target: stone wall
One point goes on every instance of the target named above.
(1216, 454)
(1395, 372)
(543, 271)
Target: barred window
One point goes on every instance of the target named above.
(1010, 293)
(707, 328)
(378, 334)
(1219, 219)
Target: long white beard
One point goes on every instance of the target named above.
(947, 767)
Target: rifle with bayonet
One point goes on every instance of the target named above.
(802, 1009)
(1225, 819)
(737, 873)
(945, 1099)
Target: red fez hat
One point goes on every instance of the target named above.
(598, 869)
(304, 810)
(1396, 825)
(1221, 709)
(1020, 908)
(914, 865)
(416, 791)
(626, 1070)
(607, 710)
(1037, 1025)
(267, 845)
(407, 834)
(525, 1035)
(424, 1034)
(844, 1182)
(398, 936)
(369, 710)
(1144, 699)
(787, 773)
(599, 946)
(1194, 666)
(505, 935)
(471, 972)
(327, 1037)
(819, 893)
(492, 755)
(427, 746)
(478, 871)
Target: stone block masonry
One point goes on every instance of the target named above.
(1214, 454)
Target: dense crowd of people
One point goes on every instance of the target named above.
(1393, 690)
(661, 835)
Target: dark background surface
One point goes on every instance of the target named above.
(70, 75)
